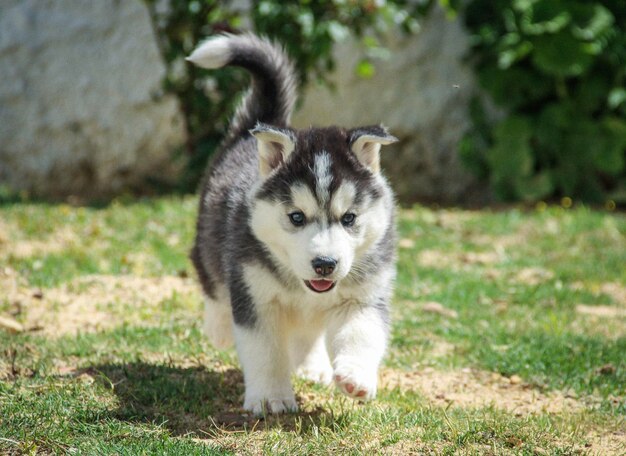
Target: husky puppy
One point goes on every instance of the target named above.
(295, 244)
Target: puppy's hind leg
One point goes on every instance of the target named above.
(218, 320)
(310, 358)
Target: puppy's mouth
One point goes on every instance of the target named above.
(320, 285)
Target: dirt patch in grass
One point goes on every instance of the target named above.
(604, 320)
(13, 285)
(488, 262)
(475, 388)
(437, 308)
(607, 442)
(600, 311)
(93, 303)
(438, 259)
(5, 234)
(533, 276)
(614, 290)
(57, 241)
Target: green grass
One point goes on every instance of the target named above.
(533, 331)
(146, 382)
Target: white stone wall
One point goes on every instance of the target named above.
(81, 106)
(422, 94)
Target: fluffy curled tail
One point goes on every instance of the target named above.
(273, 93)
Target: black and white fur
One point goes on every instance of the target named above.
(295, 245)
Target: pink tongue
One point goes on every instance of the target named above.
(321, 285)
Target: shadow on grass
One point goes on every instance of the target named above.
(193, 400)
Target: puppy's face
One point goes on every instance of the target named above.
(320, 207)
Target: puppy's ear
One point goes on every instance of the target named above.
(365, 142)
(274, 145)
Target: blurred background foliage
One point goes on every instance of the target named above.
(551, 118)
(557, 71)
(307, 29)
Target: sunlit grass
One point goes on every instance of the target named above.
(509, 283)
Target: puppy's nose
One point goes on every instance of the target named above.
(324, 265)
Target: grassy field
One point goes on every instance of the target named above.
(509, 337)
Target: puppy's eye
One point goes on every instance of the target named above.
(297, 218)
(348, 219)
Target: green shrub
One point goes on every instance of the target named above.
(202, 94)
(557, 69)
(308, 29)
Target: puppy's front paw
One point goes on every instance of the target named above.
(260, 406)
(356, 381)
